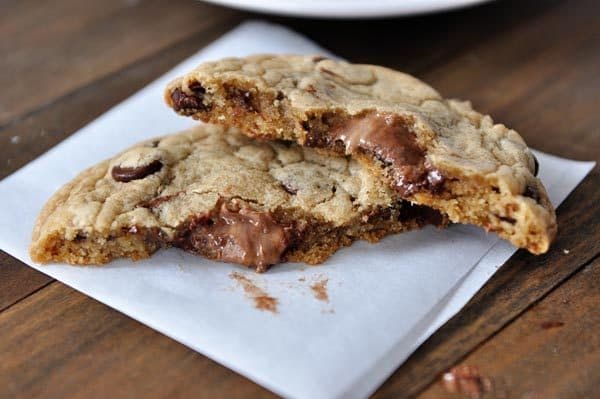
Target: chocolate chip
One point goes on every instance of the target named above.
(243, 98)
(537, 166)
(532, 192)
(507, 219)
(188, 103)
(435, 180)
(197, 88)
(289, 189)
(305, 125)
(422, 215)
(280, 96)
(125, 174)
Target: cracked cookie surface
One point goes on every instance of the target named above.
(430, 150)
(215, 192)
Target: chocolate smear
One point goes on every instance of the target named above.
(237, 233)
(262, 300)
(388, 137)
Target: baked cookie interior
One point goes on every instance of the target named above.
(217, 193)
(430, 151)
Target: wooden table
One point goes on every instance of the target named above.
(531, 332)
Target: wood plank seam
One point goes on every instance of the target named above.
(33, 292)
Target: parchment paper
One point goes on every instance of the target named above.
(375, 304)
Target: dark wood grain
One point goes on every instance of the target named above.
(418, 43)
(52, 48)
(532, 64)
(52, 123)
(18, 281)
(559, 336)
(523, 280)
(60, 343)
(534, 88)
(539, 78)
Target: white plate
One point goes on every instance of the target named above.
(346, 8)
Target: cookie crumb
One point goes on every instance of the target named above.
(466, 380)
(319, 289)
(181, 268)
(547, 325)
(15, 139)
(262, 300)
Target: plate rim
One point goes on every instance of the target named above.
(352, 9)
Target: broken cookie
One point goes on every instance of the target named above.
(215, 192)
(431, 151)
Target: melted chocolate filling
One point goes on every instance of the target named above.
(389, 139)
(238, 235)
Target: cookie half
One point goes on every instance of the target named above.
(431, 151)
(217, 193)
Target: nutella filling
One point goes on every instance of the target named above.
(240, 235)
(234, 232)
(392, 142)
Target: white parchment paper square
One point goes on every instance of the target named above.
(384, 299)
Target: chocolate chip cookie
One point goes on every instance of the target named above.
(432, 151)
(217, 193)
